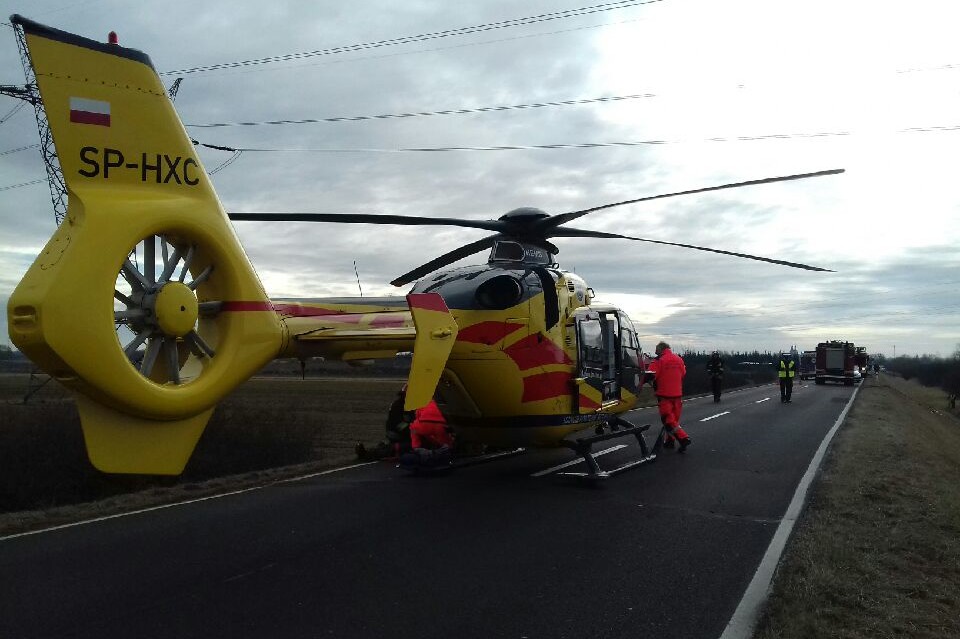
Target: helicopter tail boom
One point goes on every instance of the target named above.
(143, 301)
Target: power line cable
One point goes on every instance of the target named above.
(937, 68)
(12, 112)
(489, 26)
(586, 145)
(414, 114)
(820, 308)
(574, 145)
(17, 150)
(17, 186)
(382, 56)
(233, 158)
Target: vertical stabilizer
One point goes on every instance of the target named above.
(143, 301)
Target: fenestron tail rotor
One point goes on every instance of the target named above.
(532, 226)
(157, 312)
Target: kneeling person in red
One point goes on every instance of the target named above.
(668, 372)
(430, 439)
(429, 428)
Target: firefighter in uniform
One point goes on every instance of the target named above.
(668, 371)
(786, 370)
(715, 370)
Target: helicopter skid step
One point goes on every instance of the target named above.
(488, 457)
(583, 446)
(462, 462)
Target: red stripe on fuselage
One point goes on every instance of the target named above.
(586, 402)
(391, 320)
(546, 386)
(487, 332)
(246, 306)
(536, 350)
(427, 301)
(299, 310)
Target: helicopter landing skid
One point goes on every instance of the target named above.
(487, 457)
(583, 446)
(460, 462)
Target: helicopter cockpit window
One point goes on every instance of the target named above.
(517, 252)
(629, 343)
(598, 354)
(507, 252)
(591, 345)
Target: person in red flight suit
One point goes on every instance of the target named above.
(668, 371)
(429, 428)
(430, 440)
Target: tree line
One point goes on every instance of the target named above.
(930, 370)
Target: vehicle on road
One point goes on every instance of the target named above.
(808, 364)
(836, 362)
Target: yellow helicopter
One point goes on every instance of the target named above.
(144, 304)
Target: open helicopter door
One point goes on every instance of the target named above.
(598, 360)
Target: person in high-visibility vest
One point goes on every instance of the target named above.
(787, 369)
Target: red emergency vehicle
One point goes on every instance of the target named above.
(862, 360)
(808, 364)
(836, 362)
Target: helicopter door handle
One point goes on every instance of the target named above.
(441, 333)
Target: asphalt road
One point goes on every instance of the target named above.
(663, 550)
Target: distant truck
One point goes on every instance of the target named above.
(836, 362)
(808, 364)
(862, 360)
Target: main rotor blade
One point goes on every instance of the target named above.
(447, 258)
(370, 218)
(556, 220)
(569, 232)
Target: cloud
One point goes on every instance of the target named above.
(888, 226)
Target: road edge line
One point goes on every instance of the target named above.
(175, 504)
(744, 619)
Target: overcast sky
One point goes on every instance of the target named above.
(733, 90)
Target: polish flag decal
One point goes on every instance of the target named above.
(84, 111)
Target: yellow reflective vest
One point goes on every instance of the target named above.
(787, 368)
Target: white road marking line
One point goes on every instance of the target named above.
(180, 503)
(744, 619)
(577, 461)
(707, 419)
(760, 401)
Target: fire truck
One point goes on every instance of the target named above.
(836, 362)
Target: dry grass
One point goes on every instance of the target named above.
(877, 553)
(267, 429)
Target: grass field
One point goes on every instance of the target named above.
(877, 552)
(267, 427)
